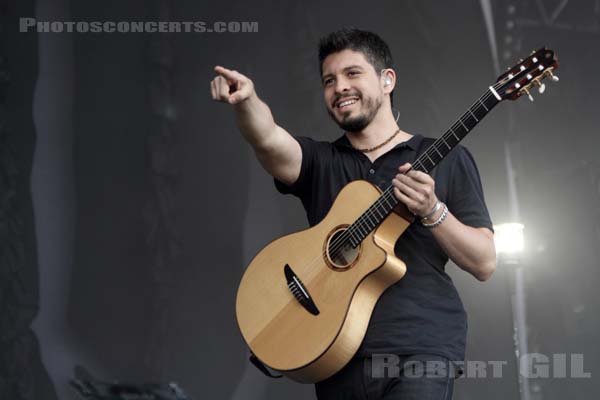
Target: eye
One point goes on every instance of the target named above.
(327, 82)
(353, 73)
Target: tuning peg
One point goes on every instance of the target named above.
(541, 86)
(528, 94)
(553, 77)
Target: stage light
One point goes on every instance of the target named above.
(509, 238)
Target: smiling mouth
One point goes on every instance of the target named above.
(341, 105)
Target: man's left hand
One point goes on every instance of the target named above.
(416, 190)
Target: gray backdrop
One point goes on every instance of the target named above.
(147, 204)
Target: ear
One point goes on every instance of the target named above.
(388, 76)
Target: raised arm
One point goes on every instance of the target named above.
(278, 152)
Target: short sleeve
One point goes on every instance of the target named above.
(309, 156)
(465, 197)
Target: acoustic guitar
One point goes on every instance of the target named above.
(305, 300)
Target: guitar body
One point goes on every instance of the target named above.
(310, 344)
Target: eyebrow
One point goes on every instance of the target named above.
(344, 70)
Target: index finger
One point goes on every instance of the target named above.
(227, 73)
(404, 167)
(420, 176)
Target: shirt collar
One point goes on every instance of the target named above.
(413, 143)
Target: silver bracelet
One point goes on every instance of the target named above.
(439, 220)
(432, 213)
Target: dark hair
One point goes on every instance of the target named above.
(375, 50)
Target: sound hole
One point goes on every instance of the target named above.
(340, 253)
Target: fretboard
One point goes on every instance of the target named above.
(426, 162)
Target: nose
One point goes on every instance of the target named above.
(341, 85)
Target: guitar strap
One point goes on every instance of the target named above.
(262, 367)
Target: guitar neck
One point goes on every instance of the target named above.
(426, 162)
(457, 132)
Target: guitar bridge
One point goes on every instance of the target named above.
(299, 291)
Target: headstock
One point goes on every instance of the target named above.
(530, 72)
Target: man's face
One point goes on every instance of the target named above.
(352, 90)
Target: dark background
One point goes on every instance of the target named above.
(130, 204)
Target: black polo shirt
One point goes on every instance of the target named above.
(421, 313)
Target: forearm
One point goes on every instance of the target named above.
(278, 152)
(472, 249)
(255, 121)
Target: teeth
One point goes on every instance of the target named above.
(346, 103)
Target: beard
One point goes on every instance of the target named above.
(365, 115)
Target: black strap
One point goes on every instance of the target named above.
(262, 367)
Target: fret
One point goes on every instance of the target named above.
(360, 231)
(473, 115)
(419, 166)
(446, 143)
(393, 198)
(457, 138)
(352, 230)
(461, 122)
(452, 141)
(371, 222)
(430, 160)
(353, 238)
(386, 201)
(371, 212)
(368, 226)
(479, 111)
(365, 226)
(490, 102)
(390, 199)
(483, 104)
(437, 151)
(390, 205)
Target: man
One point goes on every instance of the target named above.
(420, 320)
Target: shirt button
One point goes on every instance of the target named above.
(371, 171)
